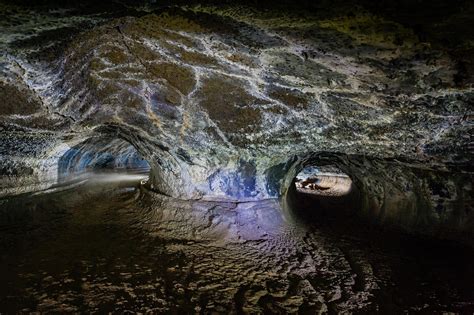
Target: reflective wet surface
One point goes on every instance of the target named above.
(110, 245)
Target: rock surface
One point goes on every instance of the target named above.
(222, 101)
(114, 248)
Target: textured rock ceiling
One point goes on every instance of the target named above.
(218, 98)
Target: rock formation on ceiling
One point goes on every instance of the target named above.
(228, 103)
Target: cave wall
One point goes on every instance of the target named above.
(222, 100)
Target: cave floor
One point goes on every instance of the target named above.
(99, 247)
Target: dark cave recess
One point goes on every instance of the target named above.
(390, 194)
(421, 14)
(100, 155)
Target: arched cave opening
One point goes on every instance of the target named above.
(367, 193)
(101, 155)
(320, 192)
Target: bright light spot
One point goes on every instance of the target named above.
(324, 181)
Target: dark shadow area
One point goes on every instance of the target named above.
(425, 270)
(384, 196)
(318, 194)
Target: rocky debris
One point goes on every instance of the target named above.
(187, 256)
(116, 248)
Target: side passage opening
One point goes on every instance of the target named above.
(102, 159)
(323, 192)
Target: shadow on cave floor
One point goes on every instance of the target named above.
(423, 271)
(91, 249)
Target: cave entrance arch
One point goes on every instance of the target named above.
(320, 187)
(100, 155)
(323, 192)
(114, 146)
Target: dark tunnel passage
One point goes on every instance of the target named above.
(100, 155)
(383, 193)
(321, 192)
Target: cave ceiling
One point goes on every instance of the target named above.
(208, 93)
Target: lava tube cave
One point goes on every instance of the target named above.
(237, 157)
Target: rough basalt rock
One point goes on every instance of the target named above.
(218, 100)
